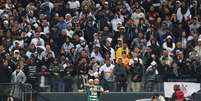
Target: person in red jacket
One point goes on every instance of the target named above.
(178, 94)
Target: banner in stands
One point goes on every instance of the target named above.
(187, 87)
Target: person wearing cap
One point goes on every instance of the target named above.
(151, 77)
(82, 46)
(136, 71)
(68, 19)
(96, 54)
(116, 21)
(107, 48)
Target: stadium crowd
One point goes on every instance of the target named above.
(129, 45)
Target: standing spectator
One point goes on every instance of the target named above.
(56, 77)
(5, 73)
(137, 15)
(44, 79)
(152, 15)
(169, 44)
(83, 70)
(67, 45)
(183, 12)
(31, 70)
(68, 75)
(130, 30)
(107, 75)
(151, 77)
(120, 73)
(82, 46)
(37, 40)
(96, 54)
(125, 60)
(195, 8)
(18, 77)
(136, 70)
(74, 5)
(139, 41)
(89, 31)
(121, 49)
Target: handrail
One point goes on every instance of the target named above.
(27, 87)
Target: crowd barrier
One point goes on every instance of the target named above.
(15, 90)
(29, 93)
(114, 96)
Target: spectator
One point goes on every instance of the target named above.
(17, 77)
(121, 49)
(169, 44)
(56, 79)
(96, 54)
(151, 75)
(183, 13)
(136, 70)
(44, 82)
(178, 95)
(83, 71)
(68, 75)
(120, 73)
(106, 72)
(154, 29)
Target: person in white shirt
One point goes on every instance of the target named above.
(106, 71)
(37, 41)
(74, 4)
(67, 45)
(116, 21)
(183, 13)
(47, 51)
(137, 15)
(96, 54)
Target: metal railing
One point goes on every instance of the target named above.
(22, 92)
(15, 90)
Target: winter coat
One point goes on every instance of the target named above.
(18, 88)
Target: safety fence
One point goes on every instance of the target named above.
(15, 91)
(28, 94)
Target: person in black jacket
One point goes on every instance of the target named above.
(136, 70)
(120, 76)
(4, 78)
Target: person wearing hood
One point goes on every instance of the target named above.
(169, 44)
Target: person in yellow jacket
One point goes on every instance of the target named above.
(121, 49)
